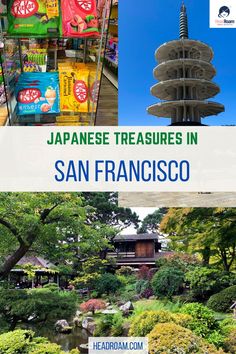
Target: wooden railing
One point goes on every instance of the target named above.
(121, 254)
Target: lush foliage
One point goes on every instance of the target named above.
(203, 321)
(222, 301)
(144, 273)
(93, 305)
(24, 342)
(36, 305)
(206, 281)
(110, 325)
(142, 324)
(152, 221)
(167, 282)
(208, 231)
(172, 338)
(90, 271)
(124, 270)
(230, 342)
(51, 222)
(183, 261)
(107, 210)
(107, 284)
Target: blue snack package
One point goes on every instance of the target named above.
(38, 93)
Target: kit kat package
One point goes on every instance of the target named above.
(33, 17)
(79, 18)
(38, 93)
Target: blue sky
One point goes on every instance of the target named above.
(143, 26)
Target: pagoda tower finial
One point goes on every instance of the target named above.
(183, 22)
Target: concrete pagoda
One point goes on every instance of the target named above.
(184, 73)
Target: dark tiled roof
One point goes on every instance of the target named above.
(35, 261)
(136, 237)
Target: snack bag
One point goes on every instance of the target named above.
(79, 18)
(37, 93)
(74, 88)
(34, 17)
(94, 85)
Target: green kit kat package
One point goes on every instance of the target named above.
(36, 17)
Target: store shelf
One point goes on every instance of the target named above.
(59, 49)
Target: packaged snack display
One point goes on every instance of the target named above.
(74, 87)
(94, 84)
(38, 93)
(33, 17)
(79, 18)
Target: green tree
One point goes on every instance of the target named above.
(211, 232)
(107, 210)
(35, 306)
(205, 281)
(168, 281)
(151, 222)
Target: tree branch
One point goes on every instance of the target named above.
(46, 212)
(11, 228)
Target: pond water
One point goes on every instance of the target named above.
(66, 341)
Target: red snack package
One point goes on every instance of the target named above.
(79, 18)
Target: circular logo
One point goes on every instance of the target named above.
(24, 8)
(28, 95)
(80, 91)
(224, 12)
(86, 6)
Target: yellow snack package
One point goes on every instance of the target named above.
(68, 119)
(74, 89)
(94, 84)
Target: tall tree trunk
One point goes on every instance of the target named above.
(18, 254)
(14, 259)
(206, 254)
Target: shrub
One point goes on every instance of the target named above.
(222, 301)
(117, 325)
(216, 338)
(142, 285)
(143, 272)
(207, 281)
(227, 325)
(93, 305)
(142, 324)
(172, 338)
(103, 326)
(230, 342)
(125, 270)
(147, 293)
(167, 282)
(203, 319)
(24, 342)
(127, 293)
(51, 287)
(107, 284)
(15, 342)
(182, 319)
(42, 304)
(182, 261)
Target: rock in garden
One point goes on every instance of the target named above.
(127, 308)
(89, 324)
(77, 321)
(62, 326)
